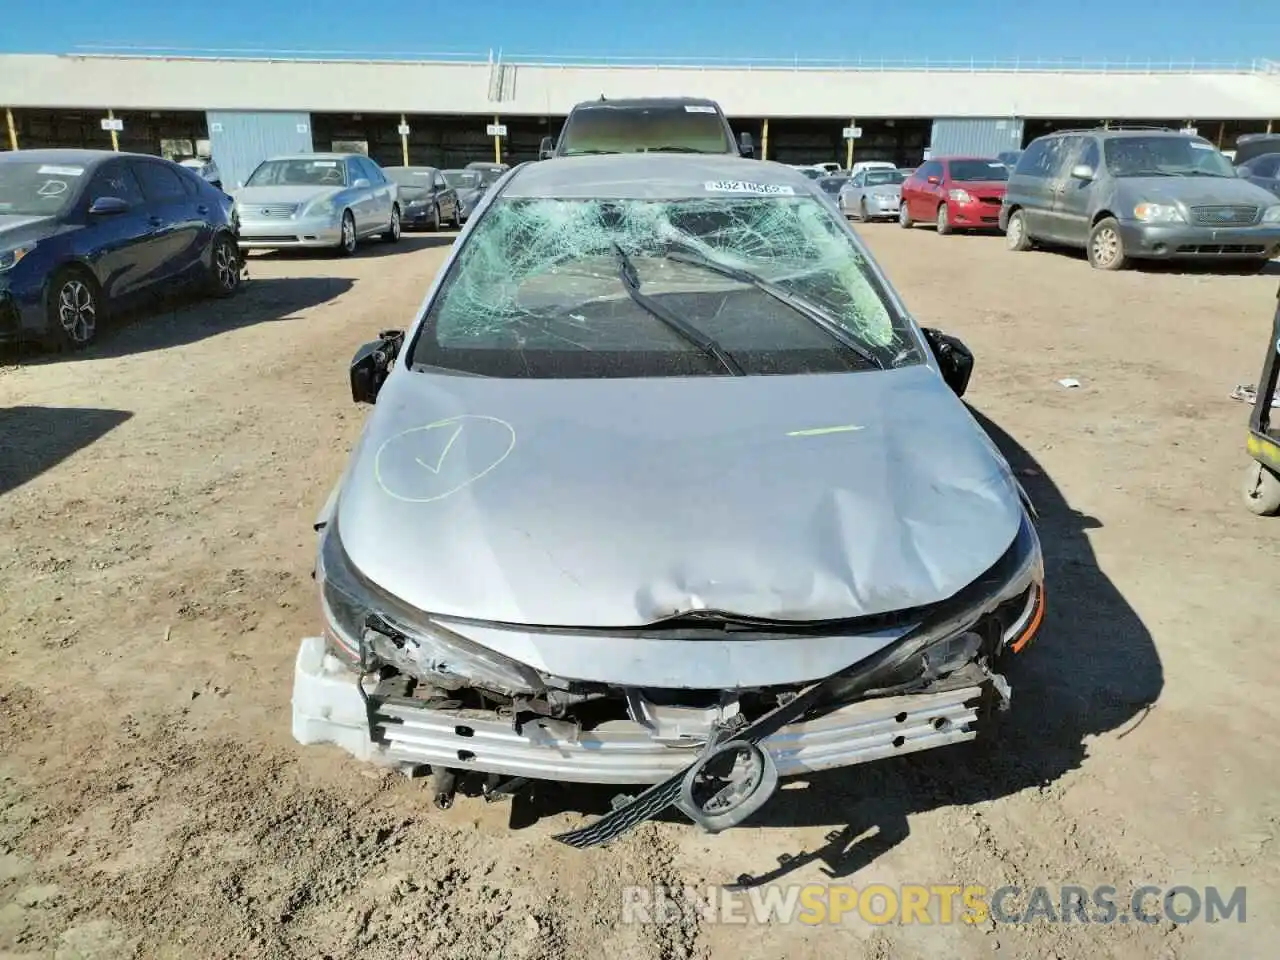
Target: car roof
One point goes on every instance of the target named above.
(649, 176)
(316, 156)
(642, 102)
(83, 157)
(1114, 132)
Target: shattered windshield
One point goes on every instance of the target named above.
(38, 189)
(538, 291)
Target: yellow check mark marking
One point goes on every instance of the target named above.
(448, 445)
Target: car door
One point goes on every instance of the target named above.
(361, 202)
(853, 191)
(929, 191)
(120, 247)
(382, 194)
(181, 233)
(1058, 160)
(445, 196)
(1031, 187)
(1073, 199)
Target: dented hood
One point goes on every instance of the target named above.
(606, 503)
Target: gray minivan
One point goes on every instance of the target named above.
(1130, 193)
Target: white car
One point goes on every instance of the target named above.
(205, 169)
(871, 165)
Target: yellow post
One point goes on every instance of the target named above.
(848, 149)
(497, 142)
(115, 137)
(13, 128)
(1268, 126)
(764, 140)
(404, 140)
(1106, 124)
(1222, 132)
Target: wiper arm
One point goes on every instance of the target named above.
(683, 329)
(683, 254)
(672, 149)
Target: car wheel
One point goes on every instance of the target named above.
(904, 217)
(944, 222)
(1106, 249)
(393, 229)
(1015, 234)
(224, 266)
(436, 222)
(74, 308)
(347, 243)
(1261, 490)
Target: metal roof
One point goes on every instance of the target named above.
(528, 88)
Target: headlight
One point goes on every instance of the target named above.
(365, 623)
(1158, 213)
(1271, 214)
(9, 258)
(321, 208)
(960, 196)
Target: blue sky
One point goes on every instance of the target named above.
(847, 29)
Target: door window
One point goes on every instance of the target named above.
(115, 180)
(438, 182)
(371, 171)
(1090, 156)
(159, 184)
(931, 169)
(1264, 166)
(1040, 159)
(355, 171)
(1060, 154)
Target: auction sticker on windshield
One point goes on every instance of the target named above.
(698, 108)
(744, 186)
(61, 171)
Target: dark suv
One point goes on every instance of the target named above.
(1129, 193)
(651, 125)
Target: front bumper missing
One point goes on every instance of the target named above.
(329, 706)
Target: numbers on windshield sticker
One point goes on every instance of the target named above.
(744, 186)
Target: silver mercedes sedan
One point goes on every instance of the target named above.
(663, 486)
(331, 200)
(872, 194)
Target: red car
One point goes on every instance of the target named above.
(956, 193)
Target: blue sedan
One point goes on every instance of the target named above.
(85, 231)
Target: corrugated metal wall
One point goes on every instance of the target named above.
(240, 141)
(980, 137)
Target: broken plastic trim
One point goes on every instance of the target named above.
(1009, 576)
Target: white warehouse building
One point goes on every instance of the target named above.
(246, 107)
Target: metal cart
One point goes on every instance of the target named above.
(1261, 488)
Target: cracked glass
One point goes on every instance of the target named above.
(536, 291)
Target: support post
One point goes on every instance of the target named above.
(13, 128)
(497, 142)
(115, 137)
(1222, 132)
(848, 148)
(404, 140)
(764, 140)
(1268, 126)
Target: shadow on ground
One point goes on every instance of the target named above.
(36, 439)
(187, 318)
(1092, 669)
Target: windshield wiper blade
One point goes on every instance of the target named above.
(631, 281)
(673, 148)
(683, 254)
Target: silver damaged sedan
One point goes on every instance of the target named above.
(663, 487)
(331, 200)
(872, 194)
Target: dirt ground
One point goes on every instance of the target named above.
(156, 496)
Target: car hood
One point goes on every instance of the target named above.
(985, 186)
(18, 228)
(883, 190)
(620, 502)
(248, 196)
(1195, 191)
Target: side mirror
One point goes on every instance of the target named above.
(372, 363)
(746, 145)
(108, 206)
(239, 184)
(1244, 172)
(935, 180)
(954, 359)
(1082, 171)
(360, 183)
(546, 148)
